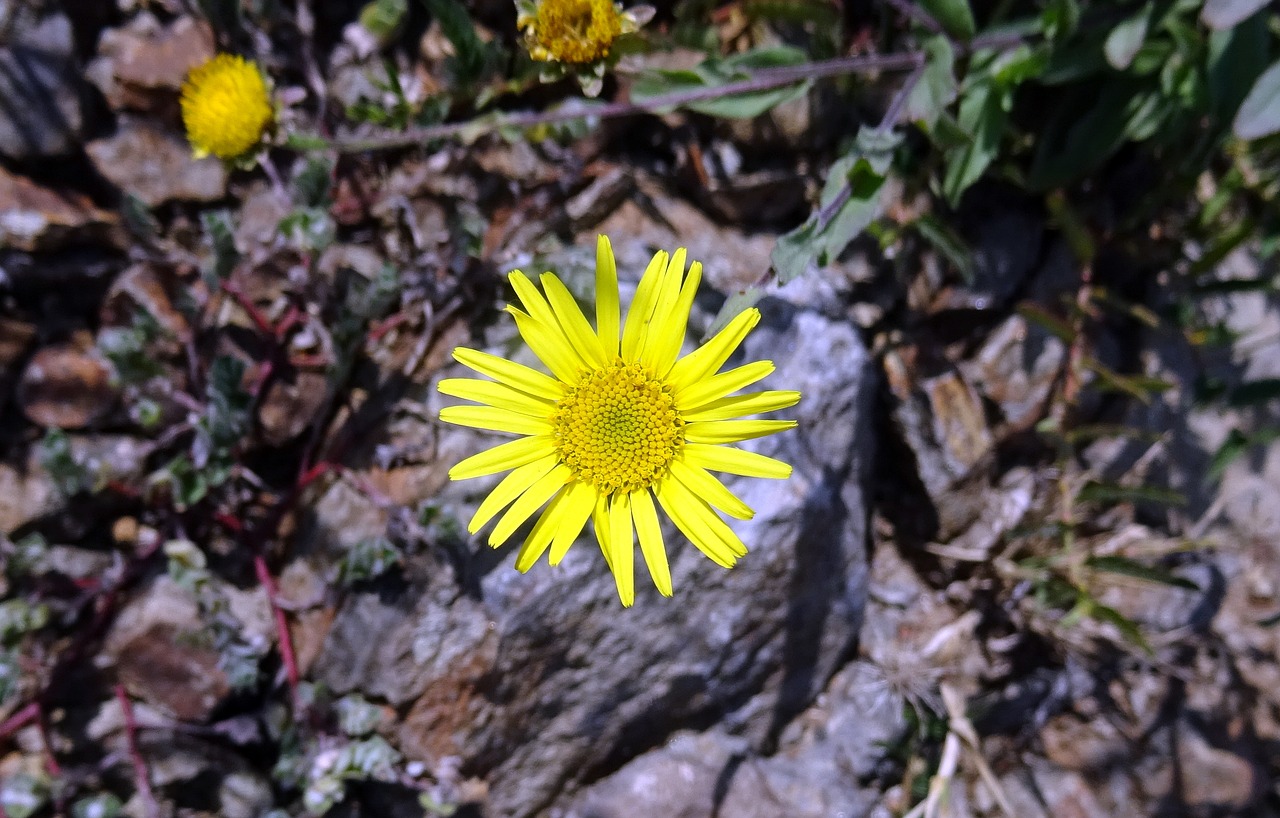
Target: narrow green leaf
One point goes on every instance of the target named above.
(733, 305)
(1123, 42)
(1127, 627)
(1259, 114)
(937, 86)
(1224, 14)
(1045, 320)
(948, 242)
(954, 15)
(1103, 492)
(1132, 568)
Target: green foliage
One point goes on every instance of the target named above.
(64, 468)
(850, 200)
(368, 559)
(716, 72)
(954, 15)
(23, 795)
(223, 256)
(1259, 114)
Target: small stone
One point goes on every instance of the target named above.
(67, 388)
(1016, 368)
(290, 405)
(143, 65)
(156, 165)
(38, 218)
(26, 493)
(1216, 779)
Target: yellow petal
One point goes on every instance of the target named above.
(600, 521)
(681, 507)
(543, 530)
(509, 455)
(641, 311)
(702, 484)
(495, 420)
(734, 461)
(742, 405)
(672, 336)
(512, 374)
(608, 310)
(664, 305)
(579, 501)
(650, 536)
(511, 487)
(534, 304)
(717, 386)
(573, 322)
(550, 345)
(529, 502)
(622, 546)
(496, 394)
(732, 431)
(705, 360)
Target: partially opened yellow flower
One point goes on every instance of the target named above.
(618, 422)
(226, 107)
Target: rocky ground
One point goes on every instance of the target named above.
(1004, 579)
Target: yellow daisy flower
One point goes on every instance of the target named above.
(226, 107)
(577, 32)
(621, 420)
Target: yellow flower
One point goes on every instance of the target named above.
(620, 421)
(226, 107)
(573, 31)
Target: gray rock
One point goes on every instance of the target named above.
(831, 747)
(156, 165)
(40, 90)
(540, 681)
(579, 684)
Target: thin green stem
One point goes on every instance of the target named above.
(762, 80)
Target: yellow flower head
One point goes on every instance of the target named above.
(226, 107)
(621, 420)
(573, 31)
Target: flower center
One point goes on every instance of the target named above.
(618, 428)
(577, 31)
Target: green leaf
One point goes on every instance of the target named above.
(1047, 321)
(1259, 114)
(850, 201)
(222, 239)
(733, 305)
(1123, 42)
(1091, 125)
(937, 86)
(470, 54)
(382, 18)
(954, 15)
(1060, 19)
(1127, 627)
(1102, 492)
(1132, 568)
(983, 116)
(717, 72)
(1224, 14)
(948, 242)
(1236, 57)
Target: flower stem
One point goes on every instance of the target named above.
(762, 80)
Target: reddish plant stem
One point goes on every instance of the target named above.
(255, 315)
(140, 772)
(20, 719)
(50, 763)
(282, 624)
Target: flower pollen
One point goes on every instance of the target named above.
(618, 429)
(226, 107)
(575, 31)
